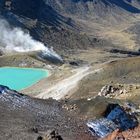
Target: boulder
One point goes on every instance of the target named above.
(108, 90)
(50, 135)
(115, 117)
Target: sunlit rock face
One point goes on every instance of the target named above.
(102, 127)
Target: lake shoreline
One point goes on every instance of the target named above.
(13, 76)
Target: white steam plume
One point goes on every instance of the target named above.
(14, 39)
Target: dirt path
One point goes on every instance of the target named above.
(62, 88)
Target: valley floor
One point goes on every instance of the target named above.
(63, 82)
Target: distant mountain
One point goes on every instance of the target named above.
(83, 7)
(44, 23)
(63, 23)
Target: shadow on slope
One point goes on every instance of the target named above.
(36, 9)
(119, 3)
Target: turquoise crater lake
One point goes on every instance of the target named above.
(21, 78)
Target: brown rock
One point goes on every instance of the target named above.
(112, 136)
(52, 135)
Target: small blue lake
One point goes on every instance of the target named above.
(21, 78)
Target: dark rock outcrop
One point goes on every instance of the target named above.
(115, 118)
(52, 135)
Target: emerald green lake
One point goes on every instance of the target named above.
(21, 78)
